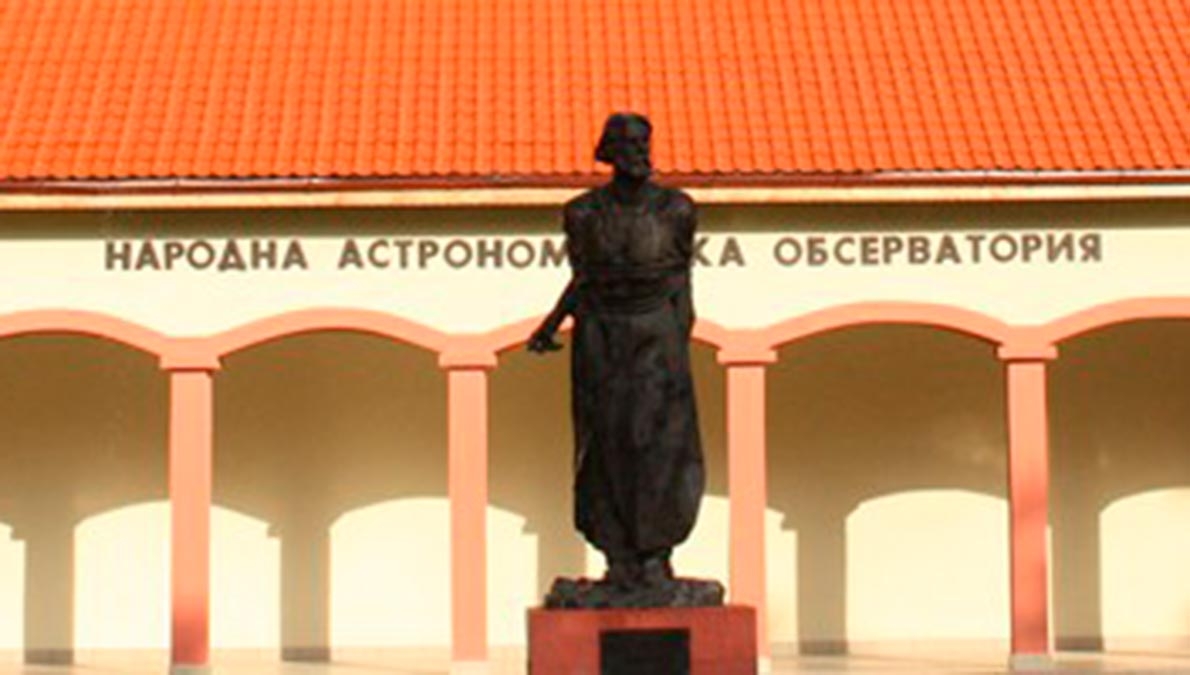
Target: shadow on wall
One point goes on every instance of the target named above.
(1120, 502)
(84, 425)
(881, 440)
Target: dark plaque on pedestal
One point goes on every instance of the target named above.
(644, 652)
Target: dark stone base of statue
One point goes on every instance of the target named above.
(602, 594)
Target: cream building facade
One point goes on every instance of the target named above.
(269, 268)
(886, 449)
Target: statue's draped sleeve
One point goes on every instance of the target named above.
(569, 299)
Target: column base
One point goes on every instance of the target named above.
(469, 668)
(308, 654)
(1030, 663)
(1089, 643)
(179, 669)
(50, 657)
(823, 647)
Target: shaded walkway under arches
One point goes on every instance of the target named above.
(84, 419)
(315, 425)
(1119, 396)
(867, 412)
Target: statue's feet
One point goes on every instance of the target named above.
(623, 575)
(657, 572)
(647, 582)
(638, 574)
(669, 592)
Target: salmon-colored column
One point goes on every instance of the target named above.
(467, 438)
(190, 433)
(1028, 473)
(747, 481)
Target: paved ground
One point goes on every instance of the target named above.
(894, 663)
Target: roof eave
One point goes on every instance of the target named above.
(514, 191)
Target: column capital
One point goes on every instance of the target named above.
(747, 356)
(467, 359)
(190, 354)
(1027, 352)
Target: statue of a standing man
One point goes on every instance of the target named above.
(639, 472)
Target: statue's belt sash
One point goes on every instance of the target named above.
(636, 289)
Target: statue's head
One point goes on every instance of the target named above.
(625, 144)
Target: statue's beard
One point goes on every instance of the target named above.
(637, 168)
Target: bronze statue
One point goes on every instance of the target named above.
(639, 473)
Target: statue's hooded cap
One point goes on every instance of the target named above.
(615, 124)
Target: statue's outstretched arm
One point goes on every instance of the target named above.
(543, 338)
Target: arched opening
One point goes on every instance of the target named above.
(1120, 441)
(869, 425)
(122, 580)
(311, 427)
(1144, 558)
(84, 423)
(939, 556)
(12, 592)
(390, 575)
(705, 556)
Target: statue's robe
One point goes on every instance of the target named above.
(639, 472)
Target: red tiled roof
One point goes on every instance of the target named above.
(516, 89)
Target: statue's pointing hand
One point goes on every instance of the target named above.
(543, 341)
(543, 338)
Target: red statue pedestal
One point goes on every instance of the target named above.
(654, 641)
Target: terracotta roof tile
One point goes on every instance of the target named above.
(495, 89)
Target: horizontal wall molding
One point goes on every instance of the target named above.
(753, 344)
(555, 196)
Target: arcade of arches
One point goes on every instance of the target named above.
(339, 460)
